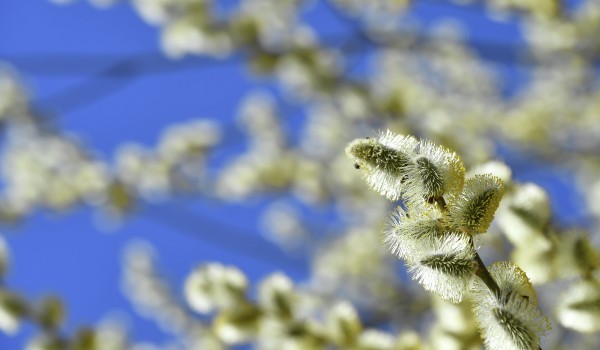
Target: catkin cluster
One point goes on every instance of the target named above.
(433, 229)
(281, 316)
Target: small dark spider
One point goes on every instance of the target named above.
(356, 166)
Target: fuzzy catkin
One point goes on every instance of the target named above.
(384, 161)
(473, 210)
(446, 267)
(511, 320)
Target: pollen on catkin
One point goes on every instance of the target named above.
(413, 232)
(435, 171)
(512, 319)
(472, 211)
(446, 267)
(384, 161)
(511, 277)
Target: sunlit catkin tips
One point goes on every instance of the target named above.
(510, 320)
(399, 166)
(384, 161)
(412, 232)
(430, 177)
(510, 277)
(579, 307)
(446, 267)
(494, 167)
(473, 210)
(215, 286)
(436, 171)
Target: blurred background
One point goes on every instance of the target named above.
(141, 139)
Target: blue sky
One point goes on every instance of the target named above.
(66, 254)
(60, 52)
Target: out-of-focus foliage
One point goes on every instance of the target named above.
(432, 86)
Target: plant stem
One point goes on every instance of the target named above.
(483, 273)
